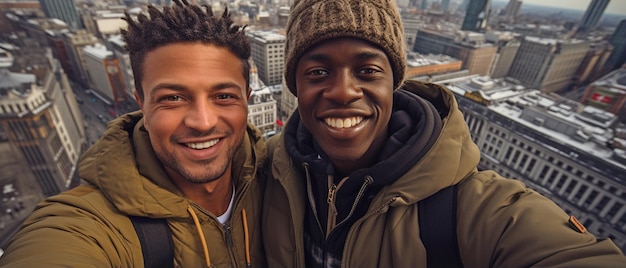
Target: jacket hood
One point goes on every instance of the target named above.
(124, 167)
(451, 158)
(447, 160)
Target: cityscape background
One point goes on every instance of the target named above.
(542, 85)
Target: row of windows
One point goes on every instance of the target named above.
(515, 158)
(22, 107)
(561, 182)
(46, 180)
(263, 119)
(616, 208)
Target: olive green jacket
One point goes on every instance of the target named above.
(88, 226)
(500, 222)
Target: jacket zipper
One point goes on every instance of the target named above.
(332, 209)
(311, 196)
(228, 233)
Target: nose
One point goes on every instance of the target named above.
(202, 116)
(344, 89)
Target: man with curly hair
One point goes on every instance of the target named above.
(189, 157)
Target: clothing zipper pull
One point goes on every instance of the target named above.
(229, 236)
(331, 193)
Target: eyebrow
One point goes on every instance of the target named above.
(178, 87)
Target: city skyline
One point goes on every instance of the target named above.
(616, 7)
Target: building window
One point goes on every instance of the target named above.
(603, 202)
(580, 192)
(614, 209)
(590, 198)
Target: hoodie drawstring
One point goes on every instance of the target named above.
(246, 237)
(205, 248)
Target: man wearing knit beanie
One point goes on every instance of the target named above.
(371, 171)
(375, 21)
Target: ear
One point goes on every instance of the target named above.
(137, 99)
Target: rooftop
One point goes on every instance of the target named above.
(563, 122)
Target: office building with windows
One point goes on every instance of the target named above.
(469, 47)
(546, 64)
(592, 15)
(40, 117)
(571, 153)
(476, 16)
(267, 52)
(64, 10)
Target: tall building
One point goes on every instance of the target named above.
(618, 40)
(445, 6)
(508, 44)
(40, 116)
(476, 16)
(75, 42)
(118, 47)
(592, 66)
(64, 10)
(548, 65)
(464, 5)
(592, 15)
(512, 9)
(570, 153)
(267, 52)
(424, 5)
(469, 47)
(105, 75)
(411, 26)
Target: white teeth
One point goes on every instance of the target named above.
(202, 145)
(343, 122)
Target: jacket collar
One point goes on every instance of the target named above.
(124, 167)
(452, 156)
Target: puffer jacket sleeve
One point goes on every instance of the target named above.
(74, 229)
(514, 226)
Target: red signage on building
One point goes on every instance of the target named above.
(601, 98)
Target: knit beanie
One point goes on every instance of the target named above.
(314, 21)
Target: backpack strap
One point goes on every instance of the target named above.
(155, 236)
(437, 222)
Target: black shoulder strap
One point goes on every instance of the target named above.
(437, 222)
(156, 241)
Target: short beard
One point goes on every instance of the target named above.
(210, 174)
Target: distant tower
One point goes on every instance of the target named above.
(464, 4)
(445, 6)
(424, 5)
(618, 40)
(476, 16)
(592, 15)
(64, 10)
(512, 9)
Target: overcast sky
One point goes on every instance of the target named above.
(614, 7)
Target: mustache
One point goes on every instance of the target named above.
(200, 134)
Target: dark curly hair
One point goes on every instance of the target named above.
(186, 23)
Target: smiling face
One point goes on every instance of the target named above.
(195, 109)
(345, 89)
